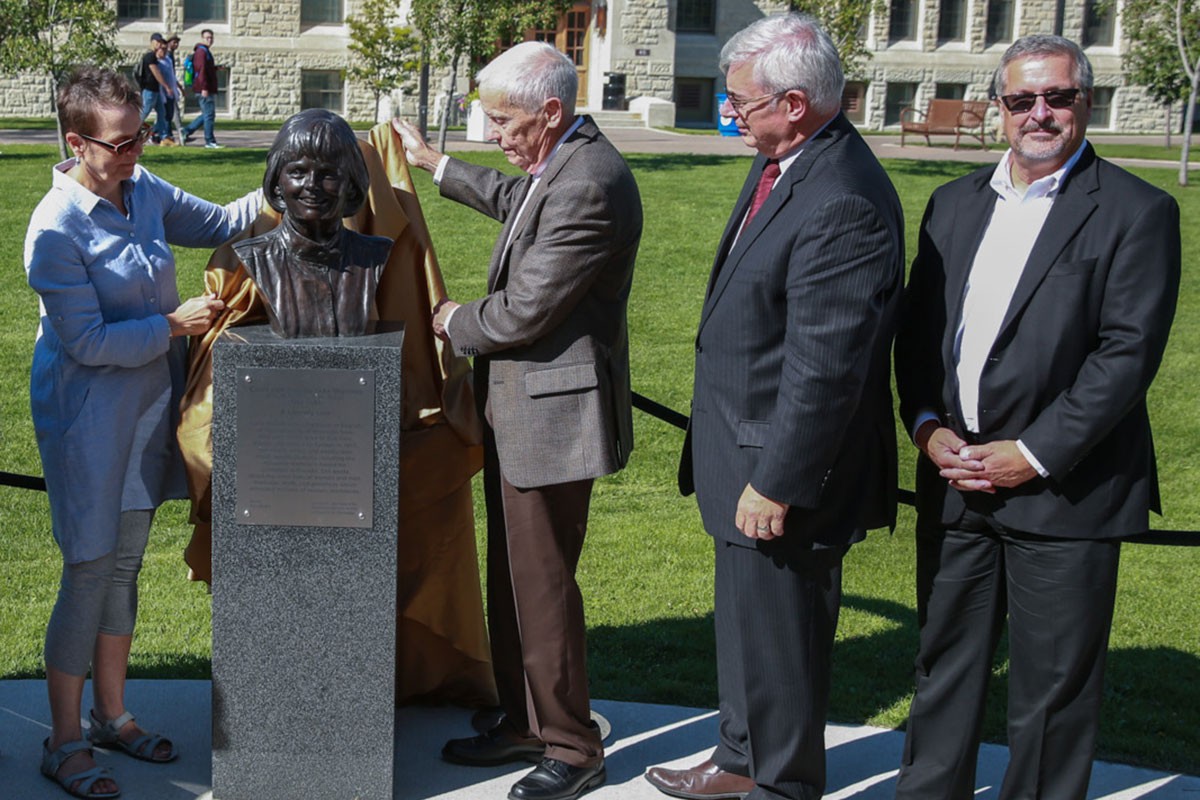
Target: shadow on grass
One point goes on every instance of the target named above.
(154, 666)
(647, 162)
(1148, 700)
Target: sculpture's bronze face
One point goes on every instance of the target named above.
(314, 195)
(317, 277)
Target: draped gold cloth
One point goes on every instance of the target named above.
(441, 643)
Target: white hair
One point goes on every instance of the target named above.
(529, 74)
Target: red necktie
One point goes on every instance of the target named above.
(770, 174)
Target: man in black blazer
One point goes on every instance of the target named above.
(792, 447)
(1035, 317)
(552, 376)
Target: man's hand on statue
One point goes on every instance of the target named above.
(416, 150)
(441, 314)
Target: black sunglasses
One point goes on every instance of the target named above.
(1024, 103)
(123, 147)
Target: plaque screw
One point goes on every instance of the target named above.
(245, 512)
(361, 515)
(247, 379)
(362, 381)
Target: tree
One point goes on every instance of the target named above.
(50, 37)
(846, 23)
(457, 29)
(1164, 56)
(385, 54)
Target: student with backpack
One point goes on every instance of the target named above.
(204, 84)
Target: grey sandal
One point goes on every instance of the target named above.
(108, 736)
(85, 779)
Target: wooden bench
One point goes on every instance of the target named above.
(948, 117)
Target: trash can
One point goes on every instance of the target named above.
(725, 125)
(614, 91)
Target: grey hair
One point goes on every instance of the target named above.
(790, 51)
(1044, 44)
(529, 74)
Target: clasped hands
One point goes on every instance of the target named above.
(974, 467)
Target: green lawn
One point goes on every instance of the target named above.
(646, 571)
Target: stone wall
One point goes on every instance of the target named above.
(265, 48)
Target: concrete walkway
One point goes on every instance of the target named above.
(653, 140)
(862, 760)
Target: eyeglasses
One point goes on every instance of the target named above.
(1024, 103)
(123, 147)
(739, 105)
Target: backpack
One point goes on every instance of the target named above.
(189, 72)
(139, 74)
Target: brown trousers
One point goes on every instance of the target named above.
(535, 610)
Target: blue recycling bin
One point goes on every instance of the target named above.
(725, 125)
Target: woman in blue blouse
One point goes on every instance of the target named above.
(108, 371)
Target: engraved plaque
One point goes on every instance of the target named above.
(305, 447)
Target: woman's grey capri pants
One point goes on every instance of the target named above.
(97, 596)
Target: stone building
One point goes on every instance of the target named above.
(277, 57)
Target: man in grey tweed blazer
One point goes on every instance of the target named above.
(792, 446)
(552, 375)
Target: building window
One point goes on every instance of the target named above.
(1099, 29)
(902, 22)
(999, 21)
(899, 97)
(950, 91)
(321, 88)
(139, 9)
(695, 16)
(192, 106)
(952, 21)
(1102, 97)
(317, 12)
(694, 101)
(204, 11)
(854, 102)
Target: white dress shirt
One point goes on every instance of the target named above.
(1008, 240)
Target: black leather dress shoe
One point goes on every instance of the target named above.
(500, 745)
(557, 780)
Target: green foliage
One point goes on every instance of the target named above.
(49, 37)
(646, 571)
(385, 54)
(473, 28)
(1156, 29)
(1153, 59)
(846, 23)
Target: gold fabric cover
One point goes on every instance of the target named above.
(441, 642)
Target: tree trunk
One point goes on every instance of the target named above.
(62, 141)
(449, 100)
(1189, 118)
(1167, 126)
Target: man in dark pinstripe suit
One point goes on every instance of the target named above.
(792, 448)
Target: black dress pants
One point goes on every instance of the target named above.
(776, 611)
(1057, 595)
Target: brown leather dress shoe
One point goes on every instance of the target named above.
(705, 781)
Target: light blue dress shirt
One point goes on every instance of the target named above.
(107, 376)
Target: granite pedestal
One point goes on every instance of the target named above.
(305, 485)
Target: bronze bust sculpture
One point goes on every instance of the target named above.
(318, 277)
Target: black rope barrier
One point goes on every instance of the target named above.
(22, 481)
(908, 498)
(673, 417)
